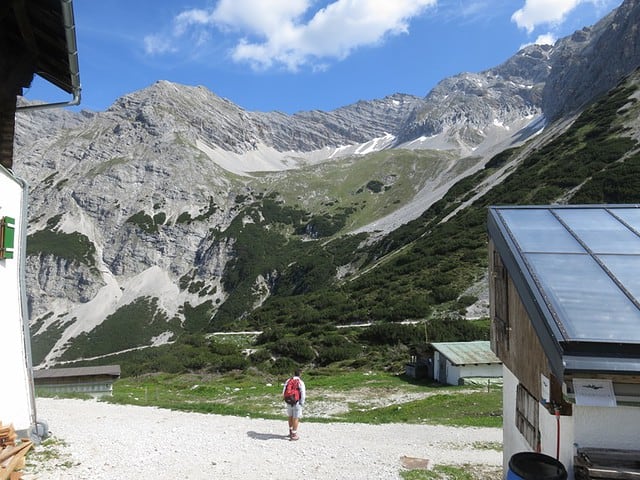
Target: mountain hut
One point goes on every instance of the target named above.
(565, 311)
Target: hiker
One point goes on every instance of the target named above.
(294, 394)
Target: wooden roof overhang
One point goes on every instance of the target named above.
(42, 32)
(36, 37)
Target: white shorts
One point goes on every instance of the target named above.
(294, 411)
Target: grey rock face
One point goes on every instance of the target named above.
(592, 61)
(466, 105)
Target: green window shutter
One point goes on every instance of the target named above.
(7, 234)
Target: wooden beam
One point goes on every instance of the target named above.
(15, 462)
(14, 450)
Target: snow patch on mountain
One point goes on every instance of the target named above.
(267, 159)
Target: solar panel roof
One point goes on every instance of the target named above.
(581, 267)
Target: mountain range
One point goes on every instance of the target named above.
(176, 210)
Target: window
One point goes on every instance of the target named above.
(7, 228)
(527, 414)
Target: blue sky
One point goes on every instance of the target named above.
(294, 55)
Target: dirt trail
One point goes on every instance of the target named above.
(99, 441)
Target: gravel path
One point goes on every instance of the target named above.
(99, 441)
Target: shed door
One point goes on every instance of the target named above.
(442, 374)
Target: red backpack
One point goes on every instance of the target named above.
(292, 391)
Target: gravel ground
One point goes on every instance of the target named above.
(99, 441)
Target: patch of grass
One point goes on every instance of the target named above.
(476, 409)
(444, 472)
(74, 247)
(48, 455)
(43, 341)
(142, 320)
(145, 222)
(258, 395)
(497, 446)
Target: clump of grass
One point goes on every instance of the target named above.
(450, 472)
(497, 446)
(49, 454)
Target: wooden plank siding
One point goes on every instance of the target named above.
(513, 338)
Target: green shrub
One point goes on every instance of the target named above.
(375, 186)
(389, 334)
(222, 348)
(143, 221)
(337, 353)
(74, 247)
(228, 363)
(283, 366)
(298, 349)
(260, 356)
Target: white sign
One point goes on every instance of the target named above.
(594, 393)
(545, 388)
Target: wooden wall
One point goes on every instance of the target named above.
(513, 338)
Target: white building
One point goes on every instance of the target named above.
(455, 363)
(17, 403)
(37, 38)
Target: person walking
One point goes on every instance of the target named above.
(294, 393)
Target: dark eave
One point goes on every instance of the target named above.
(46, 28)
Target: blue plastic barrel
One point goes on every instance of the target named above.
(535, 466)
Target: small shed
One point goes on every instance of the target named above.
(95, 381)
(457, 363)
(565, 310)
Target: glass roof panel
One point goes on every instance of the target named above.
(590, 306)
(626, 268)
(629, 215)
(537, 230)
(600, 231)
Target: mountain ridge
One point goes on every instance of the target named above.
(181, 210)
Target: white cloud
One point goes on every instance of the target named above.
(293, 33)
(545, 39)
(157, 44)
(549, 12)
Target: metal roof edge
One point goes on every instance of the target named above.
(588, 364)
(112, 370)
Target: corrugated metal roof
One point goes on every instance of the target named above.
(467, 353)
(112, 370)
